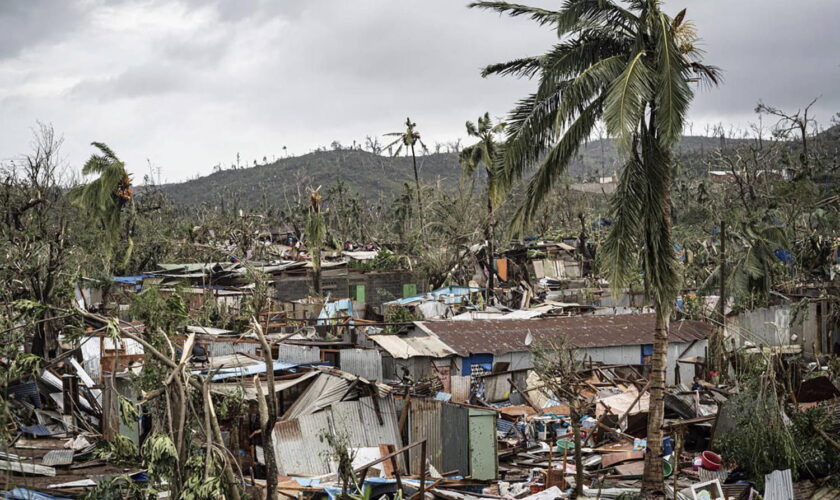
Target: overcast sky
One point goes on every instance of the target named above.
(188, 84)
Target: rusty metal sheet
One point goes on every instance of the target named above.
(500, 336)
(424, 423)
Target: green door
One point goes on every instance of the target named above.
(484, 462)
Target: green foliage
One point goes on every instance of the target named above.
(232, 404)
(160, 457)
(121, 450)
(118, 488)
(159, 310)
(398, 314)
(761, 442)
(385, 260)
(129, 412)
(107, 197)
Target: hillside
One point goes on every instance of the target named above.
(371, 175)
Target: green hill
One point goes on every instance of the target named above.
(373, 175)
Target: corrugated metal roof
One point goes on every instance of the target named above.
(366, 363)
(249, 389)
(508, 335)
(778, 485)
(409, 346)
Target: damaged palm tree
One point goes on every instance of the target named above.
(558, 367)
(630, 66)
(407, 140)
(107, 197)
(486, 153)
(316, 233)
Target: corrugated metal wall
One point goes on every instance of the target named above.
(456, 439)
(516, 360)
(366, 363)
(675, 350)
(615, 355)
(298, 354)
(768, 326)
(301, 451)
(223, 348)
(298, 445)
(424, 423)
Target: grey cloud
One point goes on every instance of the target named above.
(269, 73)
(28, 24)
(135, 82)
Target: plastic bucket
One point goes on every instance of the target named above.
(667, 468)
(710, 460)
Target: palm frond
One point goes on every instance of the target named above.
(626, 99)
(524, 67)
(554, 165)
(621, 246)
(672, 91)
(541, 16)
(659, 261)
(581, 13)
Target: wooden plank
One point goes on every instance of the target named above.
(632, 469)
(616, 458)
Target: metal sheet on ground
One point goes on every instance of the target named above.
(58, 457)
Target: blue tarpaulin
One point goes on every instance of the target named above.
(27, 494)
(784, 255)
(251, 370)
(332, 310)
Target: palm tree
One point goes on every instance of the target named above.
(107, 197)
(485, 153)
(408, 139)
(630, 65)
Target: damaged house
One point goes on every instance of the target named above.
(457, 353)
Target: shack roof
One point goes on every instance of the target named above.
(500, 336)
(412, 345)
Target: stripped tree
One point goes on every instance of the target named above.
(485, 153)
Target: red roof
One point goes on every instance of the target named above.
(500, 336)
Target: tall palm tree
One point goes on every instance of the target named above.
(407, 140)
(485, 153)
(630, 65)
(107, 197)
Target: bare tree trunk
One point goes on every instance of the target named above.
(270, 419)
(419, 195)
(491, 222)
(316, 271)
(653, 483)
(578, 457)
